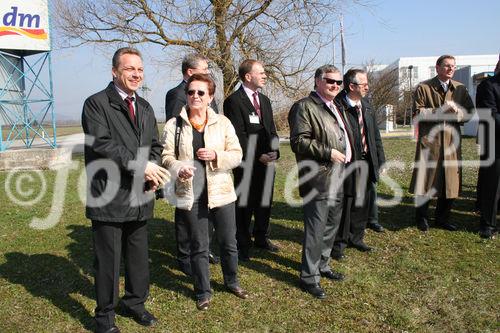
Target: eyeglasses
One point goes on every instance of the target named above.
(201, 93)
(332, 81)
(360, 84)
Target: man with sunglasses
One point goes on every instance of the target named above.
(320, 139)
(251, 114)
(368, 150)
(441, 105)
(193, 63)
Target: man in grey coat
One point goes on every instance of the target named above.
(319, 139)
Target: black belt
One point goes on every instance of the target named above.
(364, 156)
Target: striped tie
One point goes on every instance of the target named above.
(362, 129)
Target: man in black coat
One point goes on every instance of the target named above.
(251, 114)
(488, 100)
(175, 99)
(367, 149)
(121, 155)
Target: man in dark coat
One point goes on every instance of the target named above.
(175, 99)
(488, 100)
(368, 148)
(441, 105)
(319, 138)
(251, 114)
(122, 151)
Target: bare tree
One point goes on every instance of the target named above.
(286, 35)
(387, 88)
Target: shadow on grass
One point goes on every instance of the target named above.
(53, 278)
(162, 254)
(402, 216)
(273, 272)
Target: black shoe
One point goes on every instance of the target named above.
(361, 247)
(423, 225)
(486, 232)
(203, 304)
(447, 226)
(332, 275)
(145, 318)
(337, 256)
(266, 245)
(112, 329)
(375, 227)
(313, 289)
(239, 292)
(213, 259)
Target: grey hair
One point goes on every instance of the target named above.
(325, 69)
(191, 61)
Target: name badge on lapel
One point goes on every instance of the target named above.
(254, 118)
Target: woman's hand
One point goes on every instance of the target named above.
(186, 171)
(206, 154)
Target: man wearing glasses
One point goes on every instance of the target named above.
(193, 63)
(368, 149)
(319, 137)
(440, 105)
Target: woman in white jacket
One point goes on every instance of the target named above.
(208, 149)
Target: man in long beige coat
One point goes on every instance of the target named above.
(441, 105)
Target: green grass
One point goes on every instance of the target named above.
(414, 282)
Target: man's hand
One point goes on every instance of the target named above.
(268, 158)
(450, 107)
(155, 175)
(186, 171)
(206, 154)
(337, 156)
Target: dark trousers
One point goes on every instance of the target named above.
(441, 214)
(490, 195)
(354, 220)
(372, 203)
(197, 220)
(321, 222)
(260, 232)
(353, 225)
(111, 241)
(183, 243)
(261, 211)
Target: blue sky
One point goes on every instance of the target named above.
(383, 31)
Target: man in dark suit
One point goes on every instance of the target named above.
(252, 117)
(121, 155)
(175, 99)
(368, 149)
(488, 100)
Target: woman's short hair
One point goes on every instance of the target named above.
(203, 78)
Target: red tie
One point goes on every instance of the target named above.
(362, 129)
(256, 103)
(130, 103)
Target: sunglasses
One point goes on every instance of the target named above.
(201, 93)
(332, 81)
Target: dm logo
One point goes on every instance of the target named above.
(16, 23)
